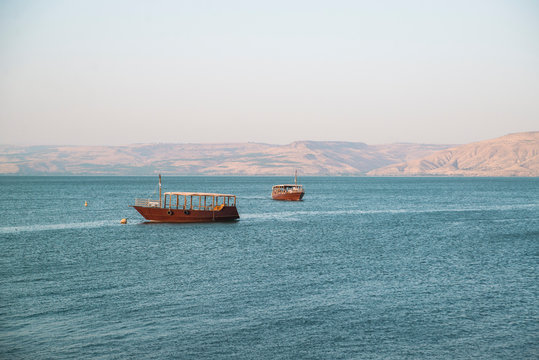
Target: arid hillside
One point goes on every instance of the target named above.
(510, 155)
(308, 157)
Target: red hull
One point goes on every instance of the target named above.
(288, 196)
(227, 213)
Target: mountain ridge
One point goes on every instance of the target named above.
(515, 154)
(309, 157)
(509, 155)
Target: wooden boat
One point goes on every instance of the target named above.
(188, 207)
(290, 192)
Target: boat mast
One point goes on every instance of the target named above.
(159, 190)
(296, 178)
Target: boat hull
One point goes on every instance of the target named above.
(288, 196)
(165, 215)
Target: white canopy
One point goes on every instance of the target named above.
(196, 194)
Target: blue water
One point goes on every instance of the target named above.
(363, 268)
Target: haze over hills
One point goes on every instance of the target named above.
(308, 157)
(510, 155)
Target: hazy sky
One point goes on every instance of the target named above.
(121, 72)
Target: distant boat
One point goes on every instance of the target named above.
(188, 207)
(290, 192)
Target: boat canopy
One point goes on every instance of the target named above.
(191, 200)
(288, 185)
(196, 194)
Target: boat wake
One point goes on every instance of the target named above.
(296, 215)
(47, 227)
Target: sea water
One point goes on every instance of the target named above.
(363, 268)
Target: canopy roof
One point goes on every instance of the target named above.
(196, 194)
(288, 185)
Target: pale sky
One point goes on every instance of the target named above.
(123, 72)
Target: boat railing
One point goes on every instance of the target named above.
(204, 202)
(147, 202)
(195, 207)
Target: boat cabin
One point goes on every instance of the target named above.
(197, 201)
(286, 188)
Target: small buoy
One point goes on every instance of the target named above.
(85, 203)
(123, 221)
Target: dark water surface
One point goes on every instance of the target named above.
(363, 268)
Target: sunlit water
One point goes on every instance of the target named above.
(362, 268)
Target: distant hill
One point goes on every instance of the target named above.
(308, 157)
(510, 155)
